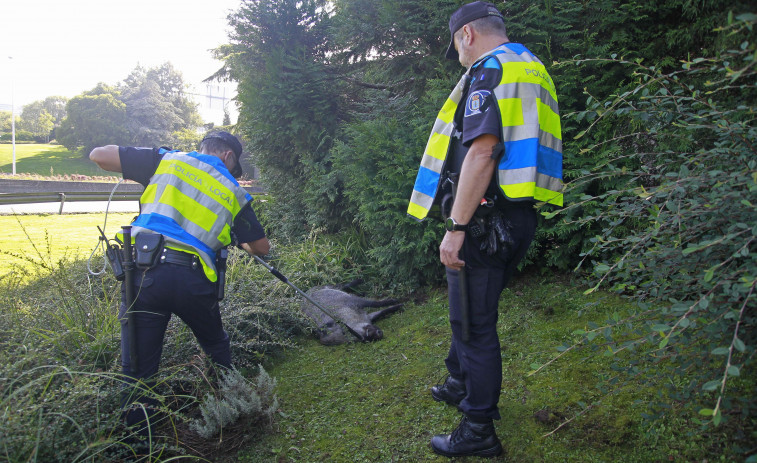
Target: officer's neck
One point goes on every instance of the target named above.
(486, 44)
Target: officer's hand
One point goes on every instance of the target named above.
(449, 250)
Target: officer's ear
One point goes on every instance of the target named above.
(229, 159)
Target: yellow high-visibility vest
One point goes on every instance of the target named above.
(531, 167)
(192, 201)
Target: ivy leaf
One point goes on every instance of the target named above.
(747, 17)
(601, 268)
(720, 351)
(739, 345)
(711, 385)
(591, 290)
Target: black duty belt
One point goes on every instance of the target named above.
(169, 256)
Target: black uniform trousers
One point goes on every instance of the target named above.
(159, 292)
(479, 361)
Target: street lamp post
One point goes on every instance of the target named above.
(13, 117)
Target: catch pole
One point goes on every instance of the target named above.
(283, 278)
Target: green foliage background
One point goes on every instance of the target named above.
(658, 104)
(149, 108)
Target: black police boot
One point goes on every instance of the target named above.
(451, 392)
(474, 438)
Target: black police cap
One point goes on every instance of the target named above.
(232, 142)
(464, 15)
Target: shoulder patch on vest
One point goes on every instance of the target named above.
(478, 102)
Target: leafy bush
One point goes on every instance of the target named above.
(377, 166)
(678, 231)
(21, 136)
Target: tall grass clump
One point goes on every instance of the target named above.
(60, 374)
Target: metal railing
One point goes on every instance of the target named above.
(30, 198)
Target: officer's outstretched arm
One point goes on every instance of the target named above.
(106, 157)
(259, 247)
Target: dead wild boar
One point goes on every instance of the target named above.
(348, 308)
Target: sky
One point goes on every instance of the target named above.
(66, 47)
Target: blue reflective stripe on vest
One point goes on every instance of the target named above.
(426, 181)
(519, 154)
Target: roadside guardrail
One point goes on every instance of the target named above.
(62, 197)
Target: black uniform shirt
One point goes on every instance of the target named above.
(139, 164)
(480, 114)
(477, 113)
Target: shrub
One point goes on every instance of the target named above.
(678, 232)
(236, 398)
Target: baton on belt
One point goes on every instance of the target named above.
(462, 278)
(131, 327)
(281, 277)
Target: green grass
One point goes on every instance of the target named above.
(46, 160)
(31, 240)
(371, 402)
(355, 402)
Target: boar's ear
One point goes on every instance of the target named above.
(351, 285)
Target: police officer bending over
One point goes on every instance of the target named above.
(191, 208)
(495, 150)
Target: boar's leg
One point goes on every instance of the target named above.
(373, 316)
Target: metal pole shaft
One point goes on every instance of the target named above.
(281, 277)
(129, 299)
(13, 114)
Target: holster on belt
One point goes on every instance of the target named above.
(147, 247)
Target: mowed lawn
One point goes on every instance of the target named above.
(32, 242)
(46, 160)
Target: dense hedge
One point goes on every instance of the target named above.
(657, 100)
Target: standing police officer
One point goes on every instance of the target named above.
(191, 208)
(492, 157)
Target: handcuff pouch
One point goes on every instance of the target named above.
(147, 247)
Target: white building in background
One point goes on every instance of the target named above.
(214, 100)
